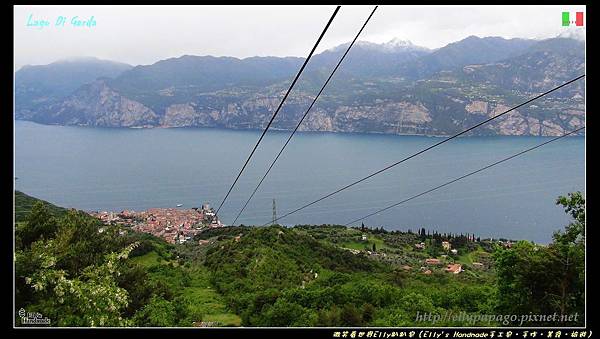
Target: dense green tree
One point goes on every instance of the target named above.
(39, 224)
(92, 298)
(574, 204)
(546, 279)
(351, 316)
(134, 279)
(567, 253)
(329, 317)
(434, 249)
(186, 312)
(157, 313)
(368, 313)
(405, 311)
(398, 276)
(286, 313)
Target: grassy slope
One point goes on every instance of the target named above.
(208, 301)
(149, 259)
(199, 291)
(360, 245)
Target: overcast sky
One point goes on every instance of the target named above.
(146, 34)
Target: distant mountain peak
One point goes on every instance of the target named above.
(399, 44)
(89, 59)
(79, 59)
(394, 45)
(577, 34)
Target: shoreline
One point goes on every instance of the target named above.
(280, 130)
(114, 215)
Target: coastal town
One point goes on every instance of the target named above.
(174, 225)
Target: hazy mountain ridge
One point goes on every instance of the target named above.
(43, 84)
(471, 50)
(395, 87)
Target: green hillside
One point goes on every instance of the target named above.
(24, 203)
(78, 272)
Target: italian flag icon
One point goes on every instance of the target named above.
(567, 19)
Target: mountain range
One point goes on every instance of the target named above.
(395, 87)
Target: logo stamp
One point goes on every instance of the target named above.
(32, 318)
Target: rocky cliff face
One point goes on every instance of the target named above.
(96, 104)
(383, 117)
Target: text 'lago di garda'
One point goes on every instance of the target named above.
(61, 21)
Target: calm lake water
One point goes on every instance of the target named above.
(116, 169)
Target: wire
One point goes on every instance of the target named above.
(427, 149)
(279, 107)
(466, 175)
(304, 116)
